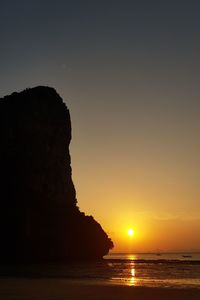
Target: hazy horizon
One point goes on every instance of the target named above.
(159, 251)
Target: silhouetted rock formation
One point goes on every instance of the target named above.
(39, 219)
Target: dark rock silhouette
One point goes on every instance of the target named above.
(39, 217)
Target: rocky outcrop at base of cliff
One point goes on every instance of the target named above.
(39, 217)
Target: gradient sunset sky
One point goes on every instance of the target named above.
(129, 72)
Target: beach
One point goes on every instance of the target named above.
(62, 289)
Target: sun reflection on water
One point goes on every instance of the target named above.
(125, 273)
(133, 272)
(131, 257)
(132, 276)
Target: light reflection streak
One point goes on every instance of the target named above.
(132, 278)
(126, 274)
(132, 257)
(133, 272)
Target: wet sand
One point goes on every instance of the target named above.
(62, 289)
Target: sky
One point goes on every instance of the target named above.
(129, 74)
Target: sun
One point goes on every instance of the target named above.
(130, 232)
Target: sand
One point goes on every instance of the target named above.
(62, 289)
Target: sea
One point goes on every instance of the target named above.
(168, 270)
(178, 270)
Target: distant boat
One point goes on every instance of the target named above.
(186, 256)
(158, 254)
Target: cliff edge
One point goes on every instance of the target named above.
(39, 217)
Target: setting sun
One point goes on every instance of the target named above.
(131, 232)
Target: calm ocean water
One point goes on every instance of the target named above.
(156, 269)
(180, 270)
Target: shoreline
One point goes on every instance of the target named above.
(60, 289)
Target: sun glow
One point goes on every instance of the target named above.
(130, 232)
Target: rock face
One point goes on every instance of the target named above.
(39, 217)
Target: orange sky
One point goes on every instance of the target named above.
(144, 177)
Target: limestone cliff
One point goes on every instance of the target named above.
(39, 217)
